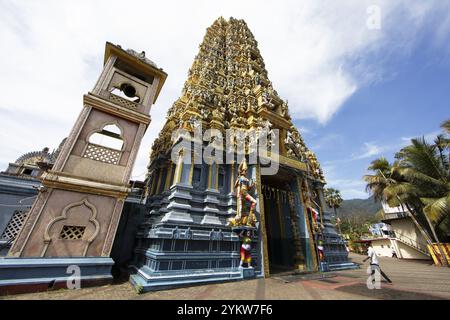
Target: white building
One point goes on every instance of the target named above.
(398, 233)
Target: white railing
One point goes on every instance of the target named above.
(412, 243)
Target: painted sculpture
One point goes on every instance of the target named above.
(243, 185)
(245, 252)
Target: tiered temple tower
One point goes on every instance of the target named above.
(185, 237)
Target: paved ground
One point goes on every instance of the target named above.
(411, 280)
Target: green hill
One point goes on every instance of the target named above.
(359, 207)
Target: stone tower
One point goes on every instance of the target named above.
(185, 237)
(74, 219)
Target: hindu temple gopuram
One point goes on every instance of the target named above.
(213, 221)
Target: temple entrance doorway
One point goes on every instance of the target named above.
(278, 226)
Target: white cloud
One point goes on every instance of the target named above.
(429, 137)
(349, 188)
(326, 140)
(369, 149)
(318, 53)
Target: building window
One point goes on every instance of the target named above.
(128, 92)
(105, 145)
(72, 232)
(14, 225)
(27, 171)
(109, 137)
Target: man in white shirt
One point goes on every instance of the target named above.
(394, 253)
(374, 263)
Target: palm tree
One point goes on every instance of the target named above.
(377, 183)
(425, 166)
(419, 180)
(333, 199)
(385, 186)
(446, 125)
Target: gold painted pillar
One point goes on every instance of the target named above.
(191, 172)
(168, 177)
(158, 185)
(179, 168)
(320, 203)
(262, 223)
(232, 181)
(154, 182)
(307, 219)
(210, 176)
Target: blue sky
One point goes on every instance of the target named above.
(356, 93)
(380, 118)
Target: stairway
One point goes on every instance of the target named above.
(422, 248)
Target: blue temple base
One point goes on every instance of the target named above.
(144, 280)
(335, 248)
(19, 275)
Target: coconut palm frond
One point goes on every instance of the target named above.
(446, 125)
(333, 197)
(424, 158)
(401, 189)
(437, 209)
(393, 202)
(414, 176)
(381, 164)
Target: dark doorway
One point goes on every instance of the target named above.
(278, 226)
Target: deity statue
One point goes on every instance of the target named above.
(243, 185)
(245, 251)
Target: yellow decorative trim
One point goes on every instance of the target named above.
(154, 182)
(178, 169)
(191, 172)
(322, 208)
(274, 118)
(287, 161)
(158, 186)
(168, 177)
(217, 175)
(232, 178)
(210, 176)
(262, 220)
(311, 235)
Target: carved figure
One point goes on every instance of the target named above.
(246, 257)
(242, 186)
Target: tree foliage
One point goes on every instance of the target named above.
(419, 178)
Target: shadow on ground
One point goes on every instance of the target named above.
(386, 293)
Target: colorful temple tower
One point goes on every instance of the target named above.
(188, 236)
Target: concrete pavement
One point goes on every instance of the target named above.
(411, 280)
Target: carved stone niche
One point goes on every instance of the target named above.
(72, 231)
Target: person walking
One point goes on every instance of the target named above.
(374, 263)
(394, 253)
